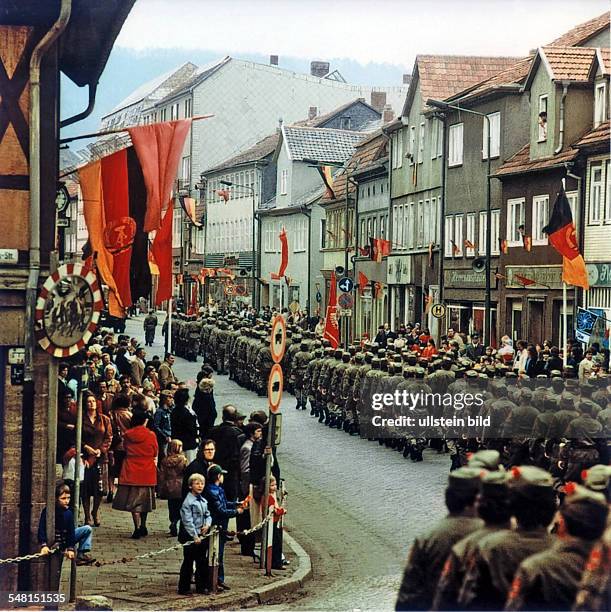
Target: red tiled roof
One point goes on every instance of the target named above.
(597, 136)
(584, 31)
(569, 63)
(442, 76)
(516, 73)
(370, 150)
(521, 162)
(605, 56)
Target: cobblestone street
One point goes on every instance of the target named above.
(355, 506)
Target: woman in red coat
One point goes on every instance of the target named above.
(138, 477)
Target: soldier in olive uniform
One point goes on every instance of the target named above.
(593, 593)
(492, 566)
(337, 403)
(430, 551)
(550, 579)
(263, 365)
(311, 380)
(221, 344)
(299, 367)
(348, 392)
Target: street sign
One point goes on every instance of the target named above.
(438, 311)
(294, 307)
(278, 339)
(345, 312)
(9, 256)
(345, 284)
(275, 384)
(345, 300)
(229, 289)
(319, 297)
(63, 222)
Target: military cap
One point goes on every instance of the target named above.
(289, 333)
(597, 477)
(527, 476)
(376, 361)
(494, 482)
(381, 353)
(584, 506)
(297, 337)
(465, 479)
(303, 345)
(486, 459)
(420, 372)
(338, 353)
(359, 357)
(345, 356)
(329, 350)
(471, 374)
(510, 375)
(318, 352)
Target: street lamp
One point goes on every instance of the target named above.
(254, 275)
(444, 106)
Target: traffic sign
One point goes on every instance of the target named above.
(278, 339)
(345, 284)
(438, 311)
(345, 300)
(275, 384)
(318, 297)
(345, 312)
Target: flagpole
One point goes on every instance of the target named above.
(564, 326)
(169, 350)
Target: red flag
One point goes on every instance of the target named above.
(504, 246)
(188, 205)
(159, 147)
(428, 303)
(469, 245)
(561, 232)
(284, 257)
(378, 290)
(527, 241)
(431, 263)
(364, 251)
(455, 249)
(162, 252)
(223, 193)
(525, 280)
(379, 248)
(363, 282)
(331, 332)
(327, 178)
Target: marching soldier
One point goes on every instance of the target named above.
(298, 375)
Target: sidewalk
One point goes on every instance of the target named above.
(151, 583)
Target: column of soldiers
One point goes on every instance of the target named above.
(543, 436)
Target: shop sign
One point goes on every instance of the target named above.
(545, 277)
(466, 278)
(599, 274)
(399, 270)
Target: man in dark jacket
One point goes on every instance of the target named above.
(228, 439)
(184, 423)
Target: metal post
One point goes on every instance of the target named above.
(565, 335)
(488, 303)
(77, 470)
(268, 471)
(213, 559)
(253, 263)
(346, 321)
(169, 332)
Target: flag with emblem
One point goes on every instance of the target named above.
(378, 249)
(284, 256)
(363, 282)
(562, 235)
(223, 194)
(331, 332)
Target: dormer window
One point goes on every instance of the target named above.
(542, 119)
(600, 104)
(346, 123)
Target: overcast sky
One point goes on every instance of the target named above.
(391, 31)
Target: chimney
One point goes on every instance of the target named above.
(378, 100)
(273, 60)
(319, 69)
(407, 79)
(313, 112)
(388, 114)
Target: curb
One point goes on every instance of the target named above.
(287, 585)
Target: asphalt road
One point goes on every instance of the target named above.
(353, 505)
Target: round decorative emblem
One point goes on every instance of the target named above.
(68, 309)
(119, 234)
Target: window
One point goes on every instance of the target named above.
(420, 224)
(399, 149)
(540, 219)
(455, 146)
(435, 203)
(542, 119)
(449, 231)
(300, 235)
(382, 226)
(515, 221)
(458, 240)
(174, 112)
(188, 111)
(164, 115)
(470, 237)
(421, 142)
(439, 138)
(346, 123)
(323, 233)
(363, 232)
(409, 229)
(596, 194)
(495, 135)
(186, 169)
(434, 137)
(481, 247)
(412, 144)
(284, 177)
(401, 226)
(176, 230)
(427, 223)
(600, 104)
(495, 233)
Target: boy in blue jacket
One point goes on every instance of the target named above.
(221, 511)
(195, 521)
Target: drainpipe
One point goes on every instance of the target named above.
(93, 87)
(27, 432)
(442, 219)
(565, 88)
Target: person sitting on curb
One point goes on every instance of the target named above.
(67, 538)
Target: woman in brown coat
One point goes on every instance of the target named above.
(96, 440)
(169, 481)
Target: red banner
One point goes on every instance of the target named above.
(331, 332)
